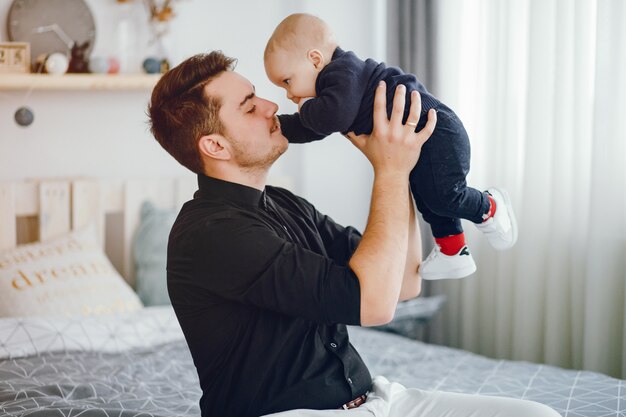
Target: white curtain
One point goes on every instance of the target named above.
(541, 88)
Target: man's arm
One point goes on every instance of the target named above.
(393, 149)
(341, 242)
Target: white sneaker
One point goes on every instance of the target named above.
(441, 266)
(501, 229)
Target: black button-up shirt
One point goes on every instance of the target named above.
(262, 289)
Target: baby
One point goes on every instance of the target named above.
(334, 90)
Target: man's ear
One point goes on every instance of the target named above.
(214, 146)
(317, 58)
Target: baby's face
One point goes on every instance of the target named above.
(296, 74)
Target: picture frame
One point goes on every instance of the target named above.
(14, 57)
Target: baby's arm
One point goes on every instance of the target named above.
(294, 131)
(337, 104)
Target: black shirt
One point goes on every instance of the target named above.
(260, 284)
(344, 101)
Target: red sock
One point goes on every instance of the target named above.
(451, 245)
(492, 209)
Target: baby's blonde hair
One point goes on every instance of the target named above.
(301, 32)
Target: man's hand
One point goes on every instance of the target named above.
(380, 260)
(392, 146)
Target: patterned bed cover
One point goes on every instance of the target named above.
(138, 365)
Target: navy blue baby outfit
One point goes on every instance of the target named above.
(345, 91)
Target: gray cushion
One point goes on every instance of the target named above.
(150, 252)
(412, 316)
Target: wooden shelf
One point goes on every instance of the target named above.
(78, 82)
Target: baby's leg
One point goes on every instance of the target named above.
(455, 263)
(440, 176)
(442, 196)
(441, 226)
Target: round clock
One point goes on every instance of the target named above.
(51, 26)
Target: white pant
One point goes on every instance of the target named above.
(390, 399)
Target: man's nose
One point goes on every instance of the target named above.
(269, 108)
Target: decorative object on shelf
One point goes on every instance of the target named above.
(24, 116)
(51, 25)
(79, 62)
(160, 17)
(56, 64)
(152, 65)
(14, 57)
(140, 35)
(130, 35)
(162, 12)
(99, 65)
(114, 65)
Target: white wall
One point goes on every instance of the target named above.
(105, 133)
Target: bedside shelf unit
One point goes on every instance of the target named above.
(78, 82)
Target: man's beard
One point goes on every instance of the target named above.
(256, 163)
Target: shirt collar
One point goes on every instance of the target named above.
(213, 188)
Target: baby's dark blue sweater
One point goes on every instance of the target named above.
(345, 98)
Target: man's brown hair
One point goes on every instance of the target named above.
(181, 113)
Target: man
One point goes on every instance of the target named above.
(263, 285)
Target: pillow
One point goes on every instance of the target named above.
(67, 276)
(412, 316)
(150, 252)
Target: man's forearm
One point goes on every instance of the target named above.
(412, 283)
(380, 258)
(393, 148)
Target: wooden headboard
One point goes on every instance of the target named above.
(40, 210)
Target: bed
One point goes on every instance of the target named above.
(134, 361)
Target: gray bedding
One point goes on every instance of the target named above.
(139, 365)
(141, 382)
